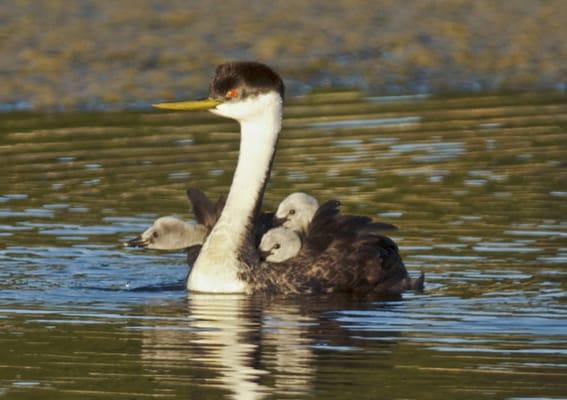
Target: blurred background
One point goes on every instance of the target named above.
(93, 54)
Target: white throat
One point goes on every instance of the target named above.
(216, 268)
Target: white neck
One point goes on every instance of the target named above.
(216, 268)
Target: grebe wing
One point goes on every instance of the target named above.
(328, 226)
(322, 229)
(206, 212)
(359, 221)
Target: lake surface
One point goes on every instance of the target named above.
(477, 186)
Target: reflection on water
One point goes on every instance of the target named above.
(231, 335)
(477, 186)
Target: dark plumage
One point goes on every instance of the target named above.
(340, 253)
(246, 78)
(206, 212)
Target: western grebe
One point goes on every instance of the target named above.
(345, 257)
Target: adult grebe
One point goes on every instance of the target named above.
(350, 258)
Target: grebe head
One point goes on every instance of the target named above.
(296, 211)
(279, 244)
(245, 89)
(169, 233)
(239, 90)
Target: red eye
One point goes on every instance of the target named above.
(231, 94)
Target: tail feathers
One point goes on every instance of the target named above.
(416, 284)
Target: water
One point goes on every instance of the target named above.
(476, 185)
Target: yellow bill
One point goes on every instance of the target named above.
(204, 104)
